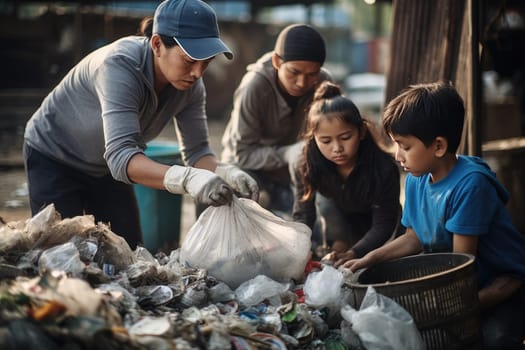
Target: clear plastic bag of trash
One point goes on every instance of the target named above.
(237, 242)
(383, 324)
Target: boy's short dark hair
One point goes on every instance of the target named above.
(427, 111)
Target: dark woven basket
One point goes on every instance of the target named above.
(438, 290)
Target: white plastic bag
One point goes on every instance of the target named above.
(315, 288)
(238, 242)
(383, 324)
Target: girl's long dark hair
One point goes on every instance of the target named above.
(320, 174)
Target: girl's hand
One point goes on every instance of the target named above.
(329, 258)
(339, 251)
(342, 258)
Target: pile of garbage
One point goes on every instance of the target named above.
(74, 283)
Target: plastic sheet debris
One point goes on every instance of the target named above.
(46, 230)
(64, 257)
(256, 290)
(159, 326)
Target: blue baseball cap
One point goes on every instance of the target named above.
(193, 25)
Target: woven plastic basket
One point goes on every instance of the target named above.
(438, 290)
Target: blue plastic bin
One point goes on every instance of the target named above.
(160, 211)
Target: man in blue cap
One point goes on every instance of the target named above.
(84, 147)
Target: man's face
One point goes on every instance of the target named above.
(297, 78)
(175, 67)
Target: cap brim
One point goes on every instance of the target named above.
(204, 48)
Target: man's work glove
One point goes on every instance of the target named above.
(291, 153)
(239, 180)
(202, 185)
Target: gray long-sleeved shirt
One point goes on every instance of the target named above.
(105, 110)
(261, 120)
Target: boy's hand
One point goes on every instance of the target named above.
(361, 263)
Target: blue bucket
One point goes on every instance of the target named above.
(160, 211)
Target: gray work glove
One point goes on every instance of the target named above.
(291, 153)
(239, 180)
(202, 185)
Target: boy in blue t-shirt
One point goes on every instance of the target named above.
(454, 203)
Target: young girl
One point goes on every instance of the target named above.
(346, 178)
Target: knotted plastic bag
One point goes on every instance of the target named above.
(238, 242)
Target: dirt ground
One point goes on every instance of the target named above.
(14, 200)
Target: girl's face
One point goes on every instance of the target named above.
(173, 66)
(296, 77)
(338, 141)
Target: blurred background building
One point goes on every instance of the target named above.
(42, 40)
(375, 48)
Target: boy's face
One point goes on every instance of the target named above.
(413, 155)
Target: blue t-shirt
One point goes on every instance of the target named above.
(468, 201)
